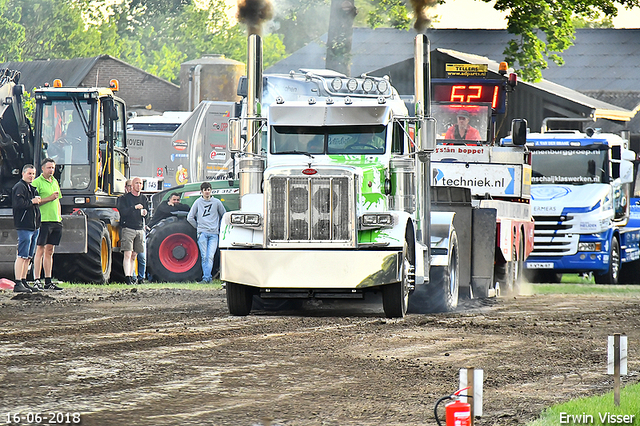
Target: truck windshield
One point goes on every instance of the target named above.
(64, 128)
(573, 166)
(328, 140)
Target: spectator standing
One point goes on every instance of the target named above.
(141, 257)
(167, 208)
(26, 218)
(133, 207)
(51, 225)
(205, 215)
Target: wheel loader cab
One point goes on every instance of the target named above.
(83, 130)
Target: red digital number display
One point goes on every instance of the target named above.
(468, 93)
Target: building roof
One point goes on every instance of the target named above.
(600, 59)
(37, 73)
(71, 71)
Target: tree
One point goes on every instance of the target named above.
(542, 29)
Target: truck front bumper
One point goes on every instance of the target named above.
(579, 262)
(310, 269)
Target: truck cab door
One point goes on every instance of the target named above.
(113, 156)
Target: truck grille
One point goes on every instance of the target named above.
(313, 209)
(554, 236)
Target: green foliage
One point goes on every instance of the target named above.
(12, 34)
(389, 13)
(155, 35)
(595, 406)
(545, 29)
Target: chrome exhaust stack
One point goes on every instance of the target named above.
(251, 164)
(425, 133)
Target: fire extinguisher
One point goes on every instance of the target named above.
(457, 413)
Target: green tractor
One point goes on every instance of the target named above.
(172, 243)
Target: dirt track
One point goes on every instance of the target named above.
(175, 357)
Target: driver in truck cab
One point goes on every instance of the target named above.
(463, 130)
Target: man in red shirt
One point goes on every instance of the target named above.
(462, 130)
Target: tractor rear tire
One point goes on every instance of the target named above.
(172, 251)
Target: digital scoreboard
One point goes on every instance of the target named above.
(465, 91)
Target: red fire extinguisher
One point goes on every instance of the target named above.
(457, 413)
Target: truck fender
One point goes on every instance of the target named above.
(441, 229)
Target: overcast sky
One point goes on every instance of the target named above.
(478, 14)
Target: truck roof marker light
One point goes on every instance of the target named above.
(329, 101)
(312, 101)
(352, 85)
(336, 84)
(381, 100)
(57, 83)
(309, 172)
(348, 100)
(279, 100)
(114, 85)
(502, 68)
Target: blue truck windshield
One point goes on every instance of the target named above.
(574, 166)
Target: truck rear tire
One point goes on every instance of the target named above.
(239, 299)
(91, 267)
(441, 294)
(172, 251)
(613, 274)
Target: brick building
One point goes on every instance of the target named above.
(143, 92)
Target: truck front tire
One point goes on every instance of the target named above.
(239, 299)
(613, 274)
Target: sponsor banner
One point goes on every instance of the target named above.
(471, 154)
(493, 179)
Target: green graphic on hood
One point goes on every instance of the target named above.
(371, 195)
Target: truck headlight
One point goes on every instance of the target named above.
(247, 219)
(589, 246)
(377, 220)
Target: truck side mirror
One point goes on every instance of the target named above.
(428, 135)
(235, 130)
(519, 131)
(626, 171)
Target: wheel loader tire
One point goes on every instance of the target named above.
(172, 251)
(92, 267)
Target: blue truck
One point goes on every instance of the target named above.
(586, 219)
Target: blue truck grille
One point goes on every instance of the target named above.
(554, 236)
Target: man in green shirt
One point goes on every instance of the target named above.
(51, 227)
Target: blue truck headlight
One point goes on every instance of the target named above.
(589, 246)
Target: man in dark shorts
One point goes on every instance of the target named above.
(51, 227)
(26, 218)
(133, 207)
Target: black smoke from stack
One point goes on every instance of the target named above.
(254, 13)
(420, 10)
